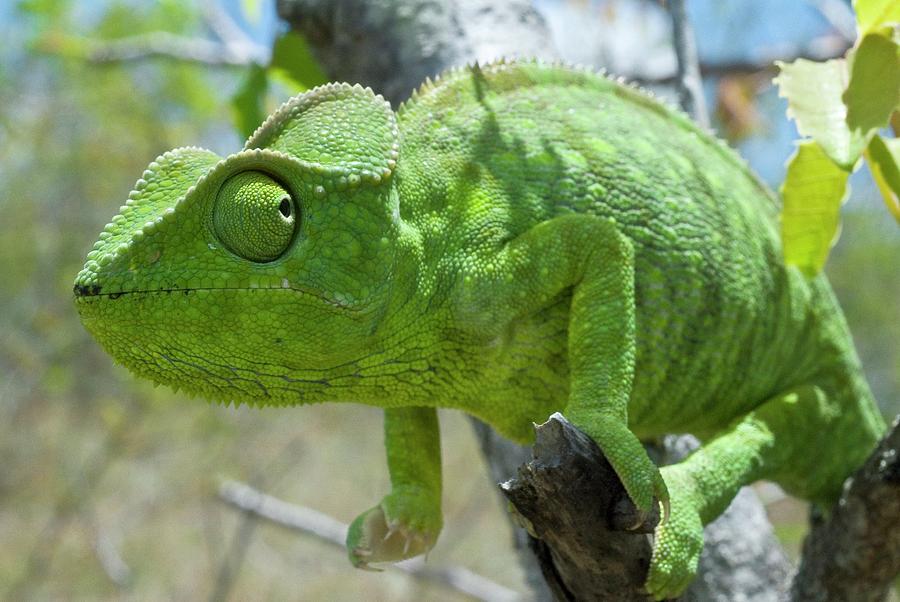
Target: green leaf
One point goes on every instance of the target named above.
(248, 101)
(873, 14)
(883, 157)
(293, 63)
(814, 92)
(874, 89)
(812, 193)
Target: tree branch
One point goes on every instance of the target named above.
(328, 529)
(854, 554)
(690, 86)
(570, 499)
(394, 45)
(232, 45)
(223, 26)
(149, 45)
(840, 16)
(231, 35)
(820, 49)
(111, 561)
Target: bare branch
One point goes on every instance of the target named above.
(819, 49)
(326, 528)
(690, 86)
(222, 25)
(839, 15)
(163, 44)
(299, 518)
(234, 557)
(855, 553)
(232, 46)
(231, 34)
(110, 559)
(503, 457)
(573, 502)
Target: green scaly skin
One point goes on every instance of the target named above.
(518, 239)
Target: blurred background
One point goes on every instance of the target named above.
(109, 487)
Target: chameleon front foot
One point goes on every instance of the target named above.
(400, 527)
(639, 475)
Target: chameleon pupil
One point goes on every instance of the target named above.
(285, 207)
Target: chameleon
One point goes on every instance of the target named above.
(517, 239)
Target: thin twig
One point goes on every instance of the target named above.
(231, 34)
(222, 25)
(164, 44)
(839, 15)
(820, 49)
(326, 528)
(690, 86)
(232, 45)
(111, 561)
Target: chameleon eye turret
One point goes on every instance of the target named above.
(254, 216)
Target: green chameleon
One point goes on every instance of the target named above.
(518, 239)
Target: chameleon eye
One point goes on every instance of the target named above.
(254, 216)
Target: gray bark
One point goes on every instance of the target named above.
(392, 46)
(690, 87)
(854, 554)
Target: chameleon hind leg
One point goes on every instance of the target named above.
(407, 521)
(777, 441)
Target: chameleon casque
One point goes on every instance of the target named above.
(518, 239)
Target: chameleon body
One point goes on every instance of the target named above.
(517, 239)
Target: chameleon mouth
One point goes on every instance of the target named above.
(95, 291)
(89, 290)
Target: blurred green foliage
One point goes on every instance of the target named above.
(292, 66)
(108, 489)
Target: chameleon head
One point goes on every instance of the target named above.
(254, 278)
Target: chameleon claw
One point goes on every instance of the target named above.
(365, 566)
(360, 559)
(667, 509)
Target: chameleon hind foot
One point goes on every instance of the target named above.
(402, 526)
(678, 542)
